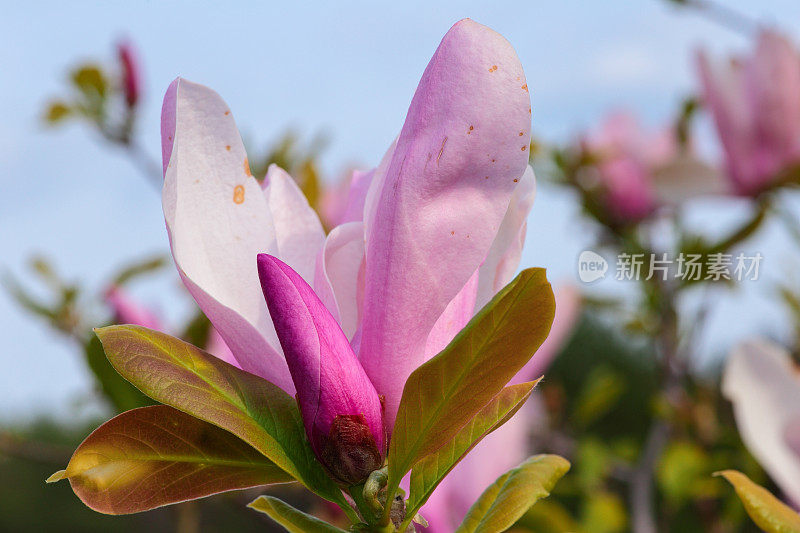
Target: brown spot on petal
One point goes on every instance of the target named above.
(486, 178)
(238, 194)
(227, 113)
(441, 151)
(228, 147)
(524, 148)
(452, 233)
(470, 130)
(521, 133)
(525, 87)
(516, 180)
(247, 167)
(493, 68)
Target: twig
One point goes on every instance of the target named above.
(641, 486)
(146, 164)
(722, 15)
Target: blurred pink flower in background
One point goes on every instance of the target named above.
(509, 445)
(755, 102)
(131, 73)
(128, 311)
(627, 158)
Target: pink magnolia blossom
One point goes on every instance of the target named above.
(628, 158)
(755, 102)
(508, 446)
(428, 237)
(131, 75)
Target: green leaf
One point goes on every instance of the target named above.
(767, 511)
(176, 373)
(140, 268)
(154, 456)
(293, 520)
(431, 470)
(682, 471)
(57, 112)
(603, 390)
(603, 512)
(90, 79)
(508, 498)
(118, 391)
(446, 392)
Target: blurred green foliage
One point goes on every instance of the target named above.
(601, 395)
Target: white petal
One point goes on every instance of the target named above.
(764, 386)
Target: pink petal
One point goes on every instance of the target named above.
(217, 347)
(218, 220)
(724, 93)
(298, 230)
(503, 258)
(442, 199)
(339, 281)
(773, 89)
(455, 316)
(762, 382)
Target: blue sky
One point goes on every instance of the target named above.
(345, 68)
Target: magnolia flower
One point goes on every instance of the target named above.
(128, 311)
(508, 446)
(433, 232)
(763, 383)
(755, 102)
(626, 157)
(131, 76)
(639, 170)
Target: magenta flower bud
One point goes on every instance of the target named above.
(131, 78)
(341, 410)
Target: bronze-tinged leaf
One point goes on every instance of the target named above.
(510, 497)
(767, 511)
(56, 112)
(119, 392)
(154, 456)
(176, 373)
(90, 79)
(446, 392)
(431, 470)
(293, 520)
